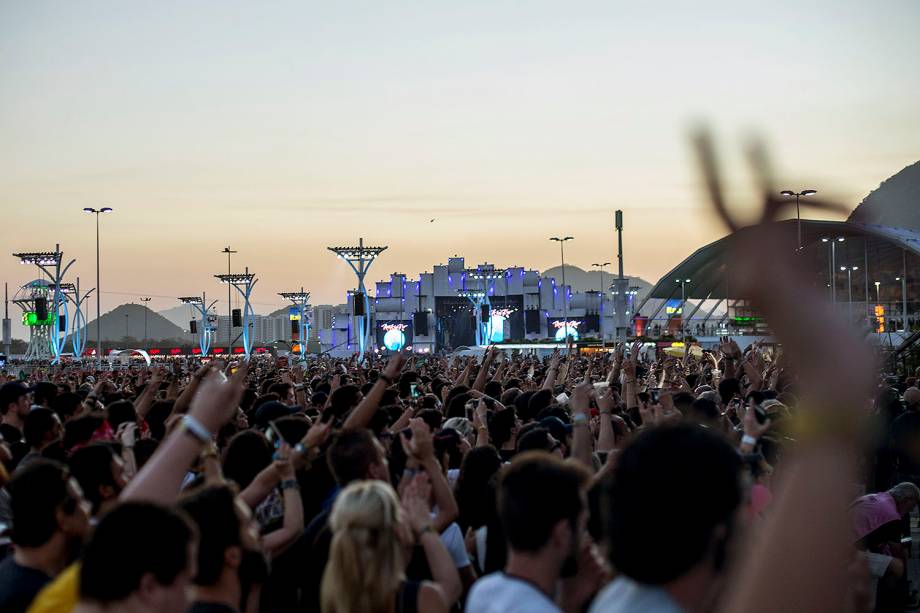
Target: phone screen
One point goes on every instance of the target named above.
(271, 433)
(413, 388)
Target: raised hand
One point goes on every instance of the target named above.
(421, 445)
(317, 434)
(216, 400)
(282, 462)
(415, 503)
(606, 400)
(395, 365)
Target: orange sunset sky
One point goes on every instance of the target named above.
(282, 127)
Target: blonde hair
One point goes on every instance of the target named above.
(366, 561)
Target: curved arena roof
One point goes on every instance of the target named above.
(706, 266)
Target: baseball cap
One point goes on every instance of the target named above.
(273, 410)
(558, 428)
(11, 392)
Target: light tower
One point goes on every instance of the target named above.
(301, 301)
(201, 308)
(360, 259)
(243, 283)
(44, 259)
(27, 299)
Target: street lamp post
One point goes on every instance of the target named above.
(903, 280)
(798, 216)
(229, 252)
(96, 212)
(146, 302)
(849, 270)
(683, 302)
(600, 291)
(601, 268)
(565, 306)
(831, 277)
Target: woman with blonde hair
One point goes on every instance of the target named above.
(372, 538)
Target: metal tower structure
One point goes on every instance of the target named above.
(77, 323)
(360, 259)
(243, 283)
(199, 303)
(479, 297)
(39, 347)
(58, 306)
(301, 301)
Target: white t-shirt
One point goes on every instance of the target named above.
(623, 595)
(499, 593)
(455, 545)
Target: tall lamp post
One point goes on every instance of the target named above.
(601, 268)
(96, 212)
(565, 301)
(903, 281)
(229, 252)
(146, 302)
(849, 270)
(683, 302)
(600, 296)
(798, 216)
(360, 259)
(831, 277)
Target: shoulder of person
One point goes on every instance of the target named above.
(499, 592)
(431, 597)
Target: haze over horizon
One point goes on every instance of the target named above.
(283, 128)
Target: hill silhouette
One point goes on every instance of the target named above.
(895, 203)
(587, 281)
(127, 320)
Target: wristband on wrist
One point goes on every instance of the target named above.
(194, 427)
(302, 449)
(289, 484)
(747, 439)
(579, 419)
(428, 528)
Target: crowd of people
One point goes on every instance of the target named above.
(746, 479)
(614, 481)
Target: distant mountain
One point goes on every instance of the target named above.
(179, 315)
(895, 203)
(584, 281)
(127, 320)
